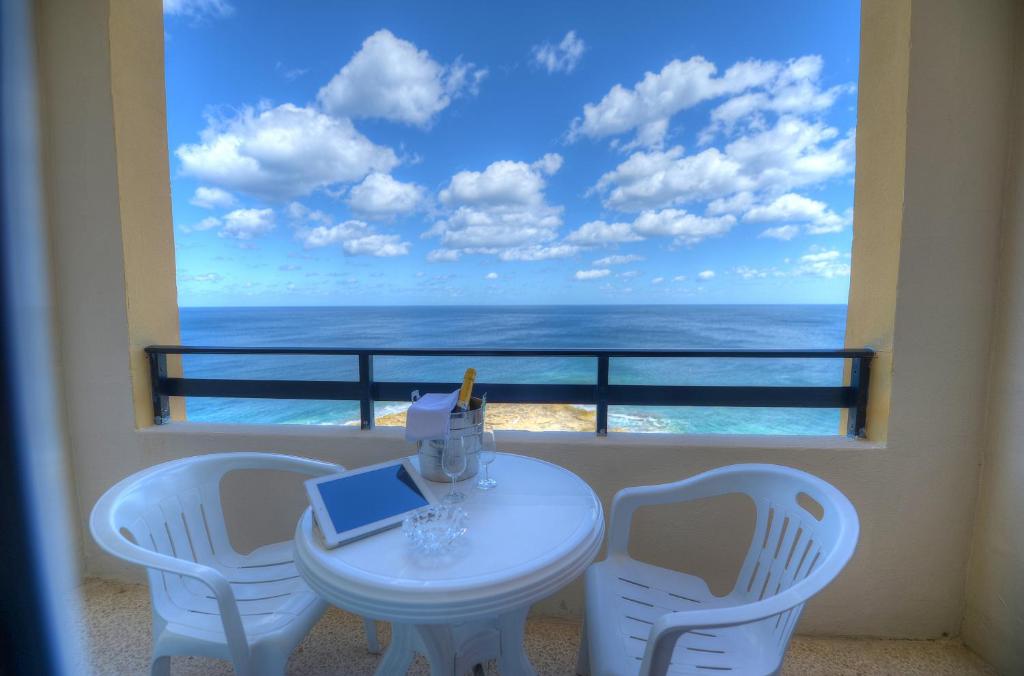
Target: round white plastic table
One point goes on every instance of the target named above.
(533, 534)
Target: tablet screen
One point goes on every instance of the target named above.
(361, 499)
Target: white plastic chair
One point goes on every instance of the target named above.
(642, 619)
(208, 599)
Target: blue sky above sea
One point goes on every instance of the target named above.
(397, 153)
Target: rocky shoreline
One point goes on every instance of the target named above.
(528, 417)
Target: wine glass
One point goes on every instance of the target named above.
(488, 449)
(453, 463)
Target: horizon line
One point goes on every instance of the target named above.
(521, 305)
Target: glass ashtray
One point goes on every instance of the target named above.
(433, 530)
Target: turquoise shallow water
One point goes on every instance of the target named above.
(578, 326)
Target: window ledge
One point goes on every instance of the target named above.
(633, 439)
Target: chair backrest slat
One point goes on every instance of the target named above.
(196, 523)
(789, 541)
(174, 523)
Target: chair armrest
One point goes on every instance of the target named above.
(234, 631)
(669, 627)
(105, 533)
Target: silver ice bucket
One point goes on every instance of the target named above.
(466, 424)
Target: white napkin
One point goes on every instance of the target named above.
(429, 417)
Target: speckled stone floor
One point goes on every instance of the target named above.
(116, 631)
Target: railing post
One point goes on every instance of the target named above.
(157, 373)
(366, 391)
(602, 395)
(856, 416)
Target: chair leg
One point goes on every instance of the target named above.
(266, 664)
(583, 656)
(372, 644)
(160, 666)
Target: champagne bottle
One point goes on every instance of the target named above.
(467, 389)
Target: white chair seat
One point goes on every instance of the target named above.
(268, 589)
(626, 597)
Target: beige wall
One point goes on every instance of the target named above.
(878, 199)
(994, 617)
(106, 184)
(80, 183)
(144, 188)
(915, 493)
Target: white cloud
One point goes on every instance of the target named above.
(651, 179)
(289, 73)
(500, 208)
(686, 228)
(796, 90)
(390, 78)
(783, 232)
(794, 153)
(790, 154)
(592, 274)
(657, 280)
(827, 264)
(679, 278)
(207, 223)
(284, 151)
(648, 106)
(356, 238)
(199, 9)
(618, 260)
(747, 272)
(298, 212)
(830, 226)
(788, 207)
(326, 235)
(443, 255)
(563, 57)
(381, 246)
(756, 88)
(599, 232)
(549, 164)
(212, 198)
(245, 224)
(206, 278)
(736, 204)
(381, 196)
(498, 228)
(539, 253)
(491, 275)
(777, 142)
(793, 207)
(504, 182)
(706, 275)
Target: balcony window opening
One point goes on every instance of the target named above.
(383, 178)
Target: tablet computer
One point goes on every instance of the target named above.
(360, 502)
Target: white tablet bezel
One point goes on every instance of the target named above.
(333, 538)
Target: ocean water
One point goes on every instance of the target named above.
(577, 326)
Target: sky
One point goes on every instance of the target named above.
(401, 153)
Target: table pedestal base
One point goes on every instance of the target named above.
(453, 650)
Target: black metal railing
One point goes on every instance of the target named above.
(602, 394)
